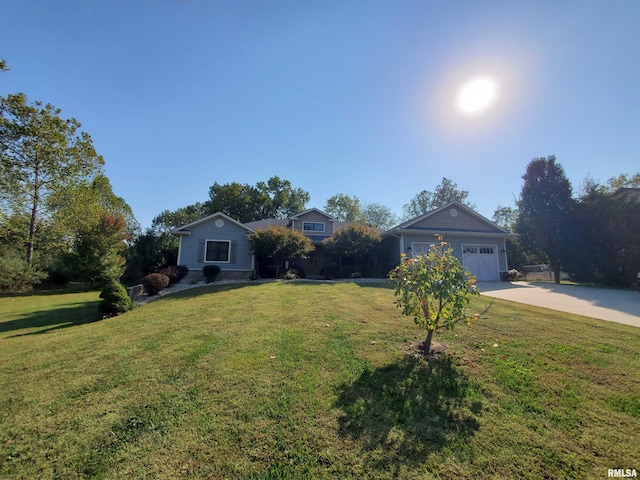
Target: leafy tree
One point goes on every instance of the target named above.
(280, 244)
(505, 217)
(239, 201)
(280, 199)
(167, 220)
(379, 216)
(355, 242)
(545, 212)
(275, 198)
(16, 275)
(99, 247)
(608, 241)
(344, 208)
(623, 181)
(517, 255)
(84, 204)
(434, 289)
(3, 65)
(149, 252)
(40, 154)
(426, 201)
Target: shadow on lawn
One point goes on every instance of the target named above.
(408, 410)
(81, 313)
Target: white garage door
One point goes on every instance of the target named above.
(482, 261)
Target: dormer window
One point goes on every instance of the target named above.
(313, 226)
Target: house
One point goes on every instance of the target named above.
(479, 243)
(220, 240)
(216, 240)
(315, 224)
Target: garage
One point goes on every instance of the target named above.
(482, 261)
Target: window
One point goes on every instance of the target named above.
(217, 251)
(419, 248)
(480, 250)
(313, 226)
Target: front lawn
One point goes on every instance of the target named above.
(309, 380)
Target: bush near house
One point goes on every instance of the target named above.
(210, 272)
(154, 283)
(356, 243)
(175, 273)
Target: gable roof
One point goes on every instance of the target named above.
(413, 224)
(298, 215)
(185, 229)
(628, 193)
(268, 222)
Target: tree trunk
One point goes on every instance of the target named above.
(34, 217)
(427, 343)
(556, 275)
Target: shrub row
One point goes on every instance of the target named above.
(155, 282)
(175, 273)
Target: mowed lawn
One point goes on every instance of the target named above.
(310, 381)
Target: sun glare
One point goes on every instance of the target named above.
(477, 95)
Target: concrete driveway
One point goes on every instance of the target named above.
(621, 306)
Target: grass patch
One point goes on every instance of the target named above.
(299, 380)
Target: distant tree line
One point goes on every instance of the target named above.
(61, 221)
(592, 237)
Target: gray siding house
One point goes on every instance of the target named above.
(315, 224)
(220, 240)
(479, 243)
(215, 240)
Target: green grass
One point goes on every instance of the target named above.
(306, 381)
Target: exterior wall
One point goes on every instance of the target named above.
(456, 243)
(314, 216)
(190, 253)
(195, 276)
(443, 221)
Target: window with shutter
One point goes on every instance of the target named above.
(217, 251)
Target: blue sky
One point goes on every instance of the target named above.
(354, 97)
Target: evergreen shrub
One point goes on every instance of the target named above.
(115, 299)
(210, 272)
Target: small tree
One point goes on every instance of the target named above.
(115, 299)
(280, 243)
(434, 289)
(99, 249)
(354, 241)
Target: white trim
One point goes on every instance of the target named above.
(413, 246)
(298, 215)
(324, 227)
(182, 230)
(179, 251)
(217, 261)
(479, 246)
(459, 207)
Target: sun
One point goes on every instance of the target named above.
(477, 95)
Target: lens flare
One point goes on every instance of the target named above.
(477, 95)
